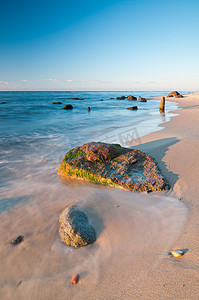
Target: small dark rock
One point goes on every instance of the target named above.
(111, 98)
(89, 108)
(68, 106)
(19, 283)
(131, 98)
(101, 99)
(149, 191)
(142, 99)
(57, 102)
(18, 240)
(121, 98)
(3, 102)
(77, 98)
(133, 108)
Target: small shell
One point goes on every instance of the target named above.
(75, 279)
(178, 253)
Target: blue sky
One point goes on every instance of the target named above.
(99, 45)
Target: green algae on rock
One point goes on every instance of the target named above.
(75, 229)
(111, 164)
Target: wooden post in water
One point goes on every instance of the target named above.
(162, 104)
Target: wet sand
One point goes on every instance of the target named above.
(134, 231)
(176, 149)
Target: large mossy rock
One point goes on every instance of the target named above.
(75, 229)
(114, 165)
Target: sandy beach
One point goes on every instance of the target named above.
(176, 149)
(134, 231)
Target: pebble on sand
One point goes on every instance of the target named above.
(75, 279)
(18, 240)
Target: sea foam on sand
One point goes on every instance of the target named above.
(134, 232)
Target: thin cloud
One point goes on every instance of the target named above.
(53, 79)
(4, 82)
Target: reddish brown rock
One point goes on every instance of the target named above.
(99, 151)
(173, 94)
(131, 98)
(121, 98)
(114, 165)
(75, 279)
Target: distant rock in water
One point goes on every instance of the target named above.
(75, 229)
(142, 99)
(113, 165)
(3, 102)
(68, 106)
(131, 98)
(89, 108)
(77, 98)
(173, 94)
(57, 102)
(121, 98)
(133, 108)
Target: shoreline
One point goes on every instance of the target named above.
(140, 270)
(176, 150)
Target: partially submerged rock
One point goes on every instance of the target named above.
(133, 108)
(142, 99)
(131, 98)
(68, 106)
(57, 102)
(75, 229)
(114, 165)
(121, 98)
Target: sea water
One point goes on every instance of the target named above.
(134, 230)
(35, 134)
